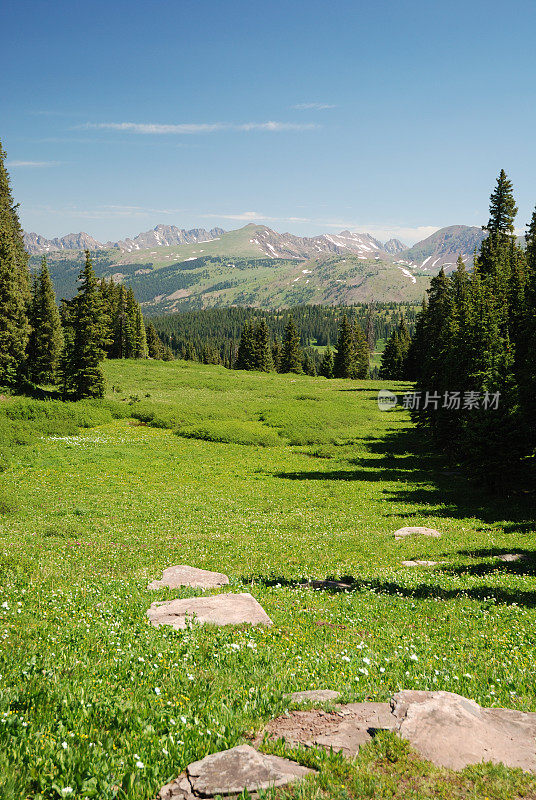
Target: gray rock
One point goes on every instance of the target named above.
(401, 533)
(419, 563)
(345, 729)
(231, 772)
(219, 609)
(510, 557)
(452, 731)
(445, 728)
(314, 696)
(183, 575)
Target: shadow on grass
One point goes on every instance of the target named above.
(332, 585)
(427, 483)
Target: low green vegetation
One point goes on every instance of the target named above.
(272, 479)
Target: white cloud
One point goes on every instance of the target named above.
(193, 128)
(313, 106)
(32, 163)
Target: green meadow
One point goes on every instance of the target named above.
(273, 480)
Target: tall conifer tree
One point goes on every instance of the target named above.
(154, 345)
(14, 286)
(263, 355)
(327, 363)
(83, 375)
(291, 356)
(46, 337)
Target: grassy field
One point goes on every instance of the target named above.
(271, 479)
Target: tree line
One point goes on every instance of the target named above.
(257, 350)
(473, 352)
(212, 336)
(42, 344)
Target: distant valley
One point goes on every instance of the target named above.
(173, 269)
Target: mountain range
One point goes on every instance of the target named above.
(172, 269)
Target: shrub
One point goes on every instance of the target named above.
(233, 431)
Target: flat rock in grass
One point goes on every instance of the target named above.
(401, 533)
(451, 731)
(345, 729)
(231, 772)
(419, 563)
(512, 557)
(315, 696)
(183, 575)
(219, 609)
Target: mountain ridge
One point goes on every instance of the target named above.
(441, 249)
(257, 266)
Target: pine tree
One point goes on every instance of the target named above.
(277, 353)
(14, 286)
(345, 365)
(530, 241)
(394, 357)
(502, 209)
(83, 376)
(263, 354)
(154, 345)
(140, 338)
(46, 337)
(526, 344)
(500, 227)
(308, 364)
(131, 313)
(327, 363)
(291, 356)
(417, 345)
(246, 356)
(121, 325)
(362, 353)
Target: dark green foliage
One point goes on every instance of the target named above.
(255, 349)
(189, 332)
(46, 337)
(154, 345)
(327, 364)
(394, 357)
(530, 239)
(85, 348)
(477, 336)
(263, 348)
(500, 245)
(502, 209)
(352, 357)
(14, 286)
(291, 355)
(122, 328)
(246, 357)
(308, 364)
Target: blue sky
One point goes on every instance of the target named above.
(391, 116)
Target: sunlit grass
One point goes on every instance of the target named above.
(89, 691)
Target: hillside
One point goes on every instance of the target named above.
(202, 281)
(252, 266)
(443, 247)
(172, 269)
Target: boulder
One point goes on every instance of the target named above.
(219, 609)
(445, 728)
(183, 575)
(451, 731)
(232, 772)
(419, 563)
(314, 696)
(345, 729)
(512, 557)
(401, 533)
